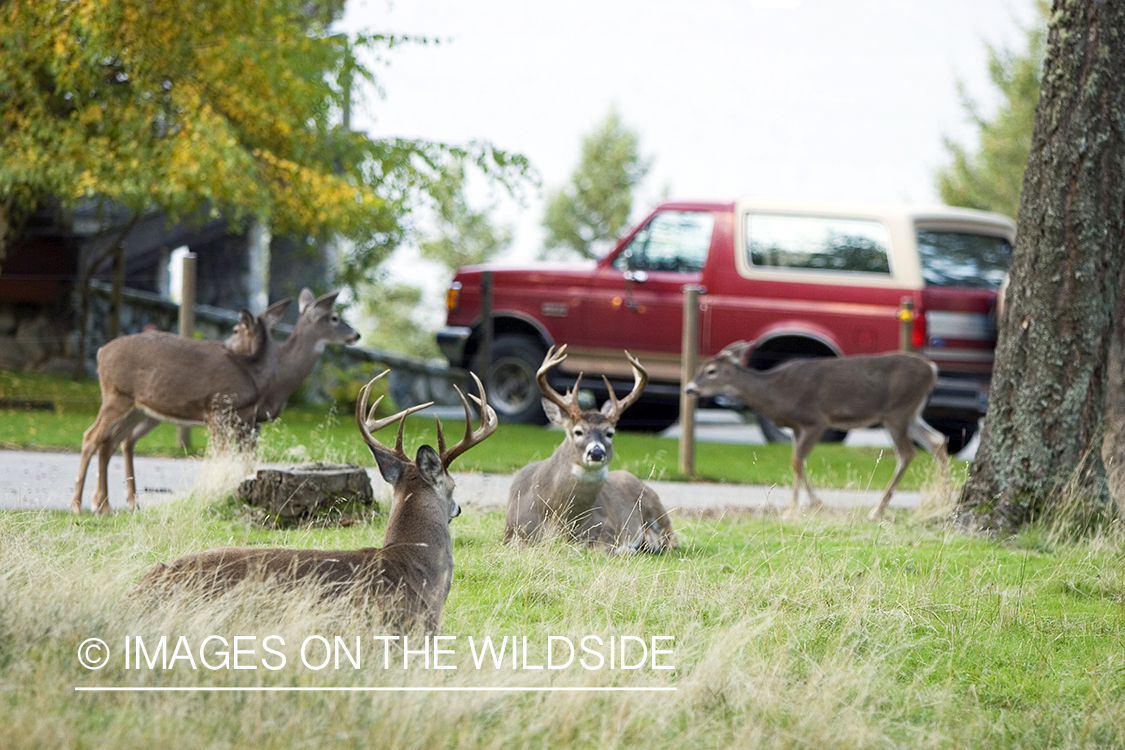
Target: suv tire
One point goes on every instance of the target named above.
(510, 380)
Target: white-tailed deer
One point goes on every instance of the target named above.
(409, 577)
(230, 387)
(810, 395)
(574, 490)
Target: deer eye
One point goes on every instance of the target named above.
(579, 432)
(710, 370)
(609, 432)
(335, 318)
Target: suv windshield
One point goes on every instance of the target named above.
(961, 259)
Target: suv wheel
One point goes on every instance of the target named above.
(510, 380)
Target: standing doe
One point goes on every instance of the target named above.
(574, 488)
(810, 395)
(229, 387)
(409, 577)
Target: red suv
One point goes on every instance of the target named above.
(798, 279)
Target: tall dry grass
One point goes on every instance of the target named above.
(826, 632)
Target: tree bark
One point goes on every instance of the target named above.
(1059, 376)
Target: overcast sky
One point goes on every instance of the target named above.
(769, 98)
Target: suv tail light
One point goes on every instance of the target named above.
(453, 296)
(918, 330)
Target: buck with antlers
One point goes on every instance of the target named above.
(810, 395)
(409, 577)
(574, 490)
(229, 387)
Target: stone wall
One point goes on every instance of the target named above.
(36, 337)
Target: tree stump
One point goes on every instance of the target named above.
(303, 491)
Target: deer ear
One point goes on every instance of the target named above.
(429, 466)
(736, 352)
(607, 410)
(389, 466)
(304, 300)
(556, 415)
(324, 305)
(275, 312)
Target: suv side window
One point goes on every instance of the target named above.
(675, 241)
(817, 243)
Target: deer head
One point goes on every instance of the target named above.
(318, 317)
(251, 333)
(430, 468)
(589, 433)
(715, 374)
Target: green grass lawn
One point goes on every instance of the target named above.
(830, 632)
(323, 435)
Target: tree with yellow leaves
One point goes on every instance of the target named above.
(215, 107)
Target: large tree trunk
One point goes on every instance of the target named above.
(1047, 413)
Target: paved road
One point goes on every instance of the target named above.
(45, 481)
(35, 480)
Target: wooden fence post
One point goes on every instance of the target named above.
(485, 351)
(688, 358)
(187, 327)
(906, 324)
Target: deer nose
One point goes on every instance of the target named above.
(691, 389)
(455, 510)
(595, 453)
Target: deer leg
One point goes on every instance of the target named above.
(147, 425)
(113, 409)
(932, 440)
(523, 519)
(99, 503)
(904, 454)
(929, 438)
(804, 439)
(634, 536)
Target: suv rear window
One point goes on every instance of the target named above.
(962, 259)
(817, 244)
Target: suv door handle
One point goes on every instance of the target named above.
(638, 276)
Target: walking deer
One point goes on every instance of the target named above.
(810, 395)
(409, 577)
(230, 387)
(574, 490)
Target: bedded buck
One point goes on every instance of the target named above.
(230, 387)
(409, 577)
(574, 491)
(810, 395)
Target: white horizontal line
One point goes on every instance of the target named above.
(266, 689)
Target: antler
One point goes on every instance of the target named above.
(640, 380)
(364, 417)
(488, 422)
(568, 403)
